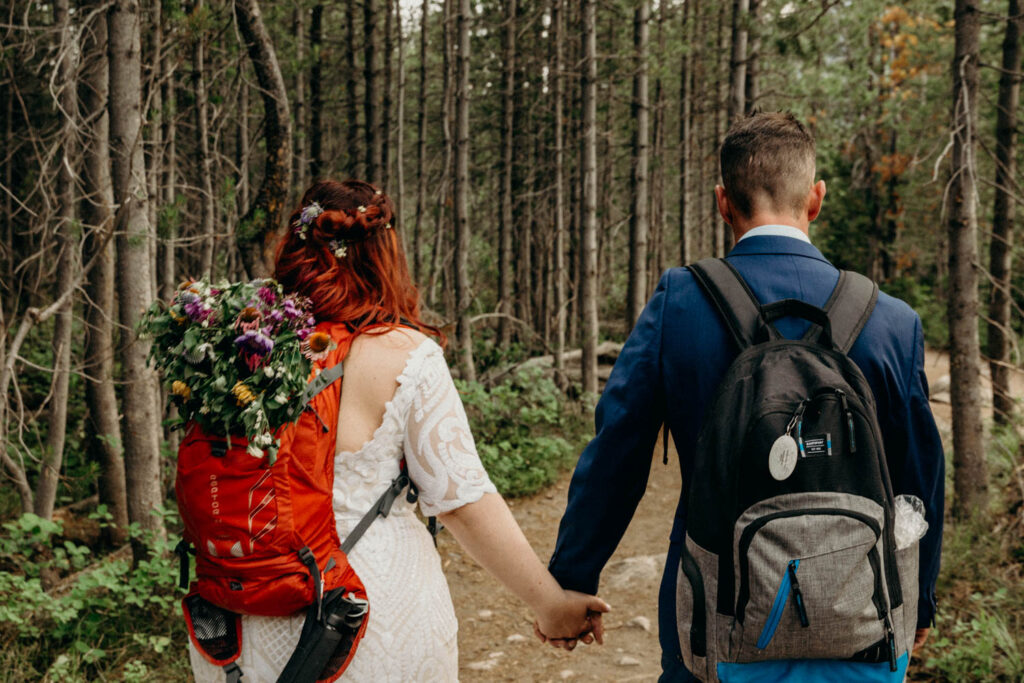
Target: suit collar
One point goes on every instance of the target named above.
(774, 244)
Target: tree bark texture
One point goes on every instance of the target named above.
(685, 135)
(561, 295)
(141, 424)
(53, 454)
(970, 478)
(463, 298)
(738, 61)
(639, 223)
(1000, 330)
(752, 87)
(505, 198)
(300, 107)
(421, 148)
(206, 198)
(354, 154)
(371, 101)
(589, 327)
(103, 428)
(316, 96)
(263, 225)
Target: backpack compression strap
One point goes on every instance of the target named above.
(733, 299)
(848, 308)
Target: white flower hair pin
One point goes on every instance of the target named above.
(306, 218)
(339, 248)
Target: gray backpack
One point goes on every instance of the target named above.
(789, 551)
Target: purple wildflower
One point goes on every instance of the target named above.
(267, 295)
(197, 310)
(290, 310)
(255, 342)
(303, 332)
(275, 316)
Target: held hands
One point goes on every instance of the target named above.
(576, 616)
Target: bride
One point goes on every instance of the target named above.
(398, 400)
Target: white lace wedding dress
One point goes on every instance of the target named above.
(412, 631)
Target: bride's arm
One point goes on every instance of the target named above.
(453, 485)
(489, 533)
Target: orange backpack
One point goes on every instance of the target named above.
(264, 535)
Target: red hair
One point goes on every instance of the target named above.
(348, 260)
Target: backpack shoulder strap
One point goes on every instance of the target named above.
(849, 307)
(733, 299)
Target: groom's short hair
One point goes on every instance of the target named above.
(768, 162)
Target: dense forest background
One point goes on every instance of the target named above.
(548, 160)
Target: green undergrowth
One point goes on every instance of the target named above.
(979, 629)
(98, 619)
(527, 432)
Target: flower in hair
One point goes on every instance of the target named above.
(361, 209)
(339, 248)
(306, 218)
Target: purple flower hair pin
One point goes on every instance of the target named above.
(306, 218)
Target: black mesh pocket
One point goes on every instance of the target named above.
(215, 631)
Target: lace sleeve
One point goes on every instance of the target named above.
(439, 446)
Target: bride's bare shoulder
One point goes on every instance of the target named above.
(385, 353)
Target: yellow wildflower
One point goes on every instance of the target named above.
(179, 388)
(243, 394)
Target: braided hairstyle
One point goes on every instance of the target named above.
(349, 259)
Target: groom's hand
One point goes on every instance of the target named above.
(575, 617)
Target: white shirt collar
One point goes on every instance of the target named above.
(777, 231)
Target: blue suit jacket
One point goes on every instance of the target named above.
(668, 371)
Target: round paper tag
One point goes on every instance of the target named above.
(782, 457)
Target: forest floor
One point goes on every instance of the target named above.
(496, 641)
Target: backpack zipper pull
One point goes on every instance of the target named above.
(890, 641)
(849, 420)
(798, 597)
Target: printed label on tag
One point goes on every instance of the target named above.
(815, 446)
(782, 457)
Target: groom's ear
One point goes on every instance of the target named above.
(814, 200)
(724, 205)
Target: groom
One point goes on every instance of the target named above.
(679, 351)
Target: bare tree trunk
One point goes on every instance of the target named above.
(206, 198)
(301, 162)
(316, 98)
(242, 152)
(752, 86)
(443, 196)
(560, 302)
(399, 196)
(738, 61)
(505, 197)
(970, 480)
(639, 223)
(154, 146)
(103, 429)
(261, 227)
(167, 232)
(686, 133)
(371, 102)
(463, 298)
(386, 102)
(589, 270)
(1000, 330)
(53, 453)
(421, 149)
(141, 425)
(354, 153)
(721, 230)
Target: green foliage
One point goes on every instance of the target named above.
(527, 432)
(979, 631)
(106, 619)
(932, 309)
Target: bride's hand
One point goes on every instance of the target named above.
(576, 616)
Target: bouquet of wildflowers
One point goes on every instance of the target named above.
(236, 357)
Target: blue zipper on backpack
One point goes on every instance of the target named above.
(789, 584)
